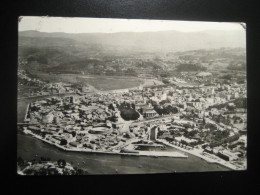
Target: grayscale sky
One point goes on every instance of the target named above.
(106, 25)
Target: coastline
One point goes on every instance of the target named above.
(142, 153)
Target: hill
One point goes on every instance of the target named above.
(148, 41)
(117, 53)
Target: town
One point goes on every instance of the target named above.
(136, 100)
(207, 119)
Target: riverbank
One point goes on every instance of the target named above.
(209, 159)
(141, 153)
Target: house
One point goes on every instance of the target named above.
(53, 129)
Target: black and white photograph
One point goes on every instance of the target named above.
(106, 96)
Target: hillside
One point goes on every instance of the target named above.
(148, 41)
(124, 53)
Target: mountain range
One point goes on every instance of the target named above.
(165, 41)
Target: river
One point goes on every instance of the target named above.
(28, 147)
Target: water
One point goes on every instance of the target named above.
(29, 147)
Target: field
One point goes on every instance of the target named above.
(99, 82)
(112, 83)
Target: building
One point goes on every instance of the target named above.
(48, 118)
(72, 100)
(223, 155)
(33, 128)
(74, 144)
(139, 106)
(99, 130)
(153, 133)
(149, 112)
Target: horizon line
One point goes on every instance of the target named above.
(130, 31)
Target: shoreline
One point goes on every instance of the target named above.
(141, 153)
(147, 153)
(209, 160)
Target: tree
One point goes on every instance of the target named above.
(128, 113)
(159, 133)
(43, 158)
(35, 109)
(73, 133)
(61, 163)
(111, 107)
(190, 134)
(20, 161)
(113, 118)
(42, 171)
(79, 172)
(218, 119)
(211, 126)
(34, 161)
(63, 142)
(165, 81)
(127, 135)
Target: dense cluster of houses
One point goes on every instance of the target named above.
(93, 121)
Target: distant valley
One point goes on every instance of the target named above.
(128, 53)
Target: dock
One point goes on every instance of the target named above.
(162, 154)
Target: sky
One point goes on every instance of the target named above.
(107, 25)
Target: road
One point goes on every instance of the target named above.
(154, 119)
(46, 96)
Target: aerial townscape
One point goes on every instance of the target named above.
(177, 105)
